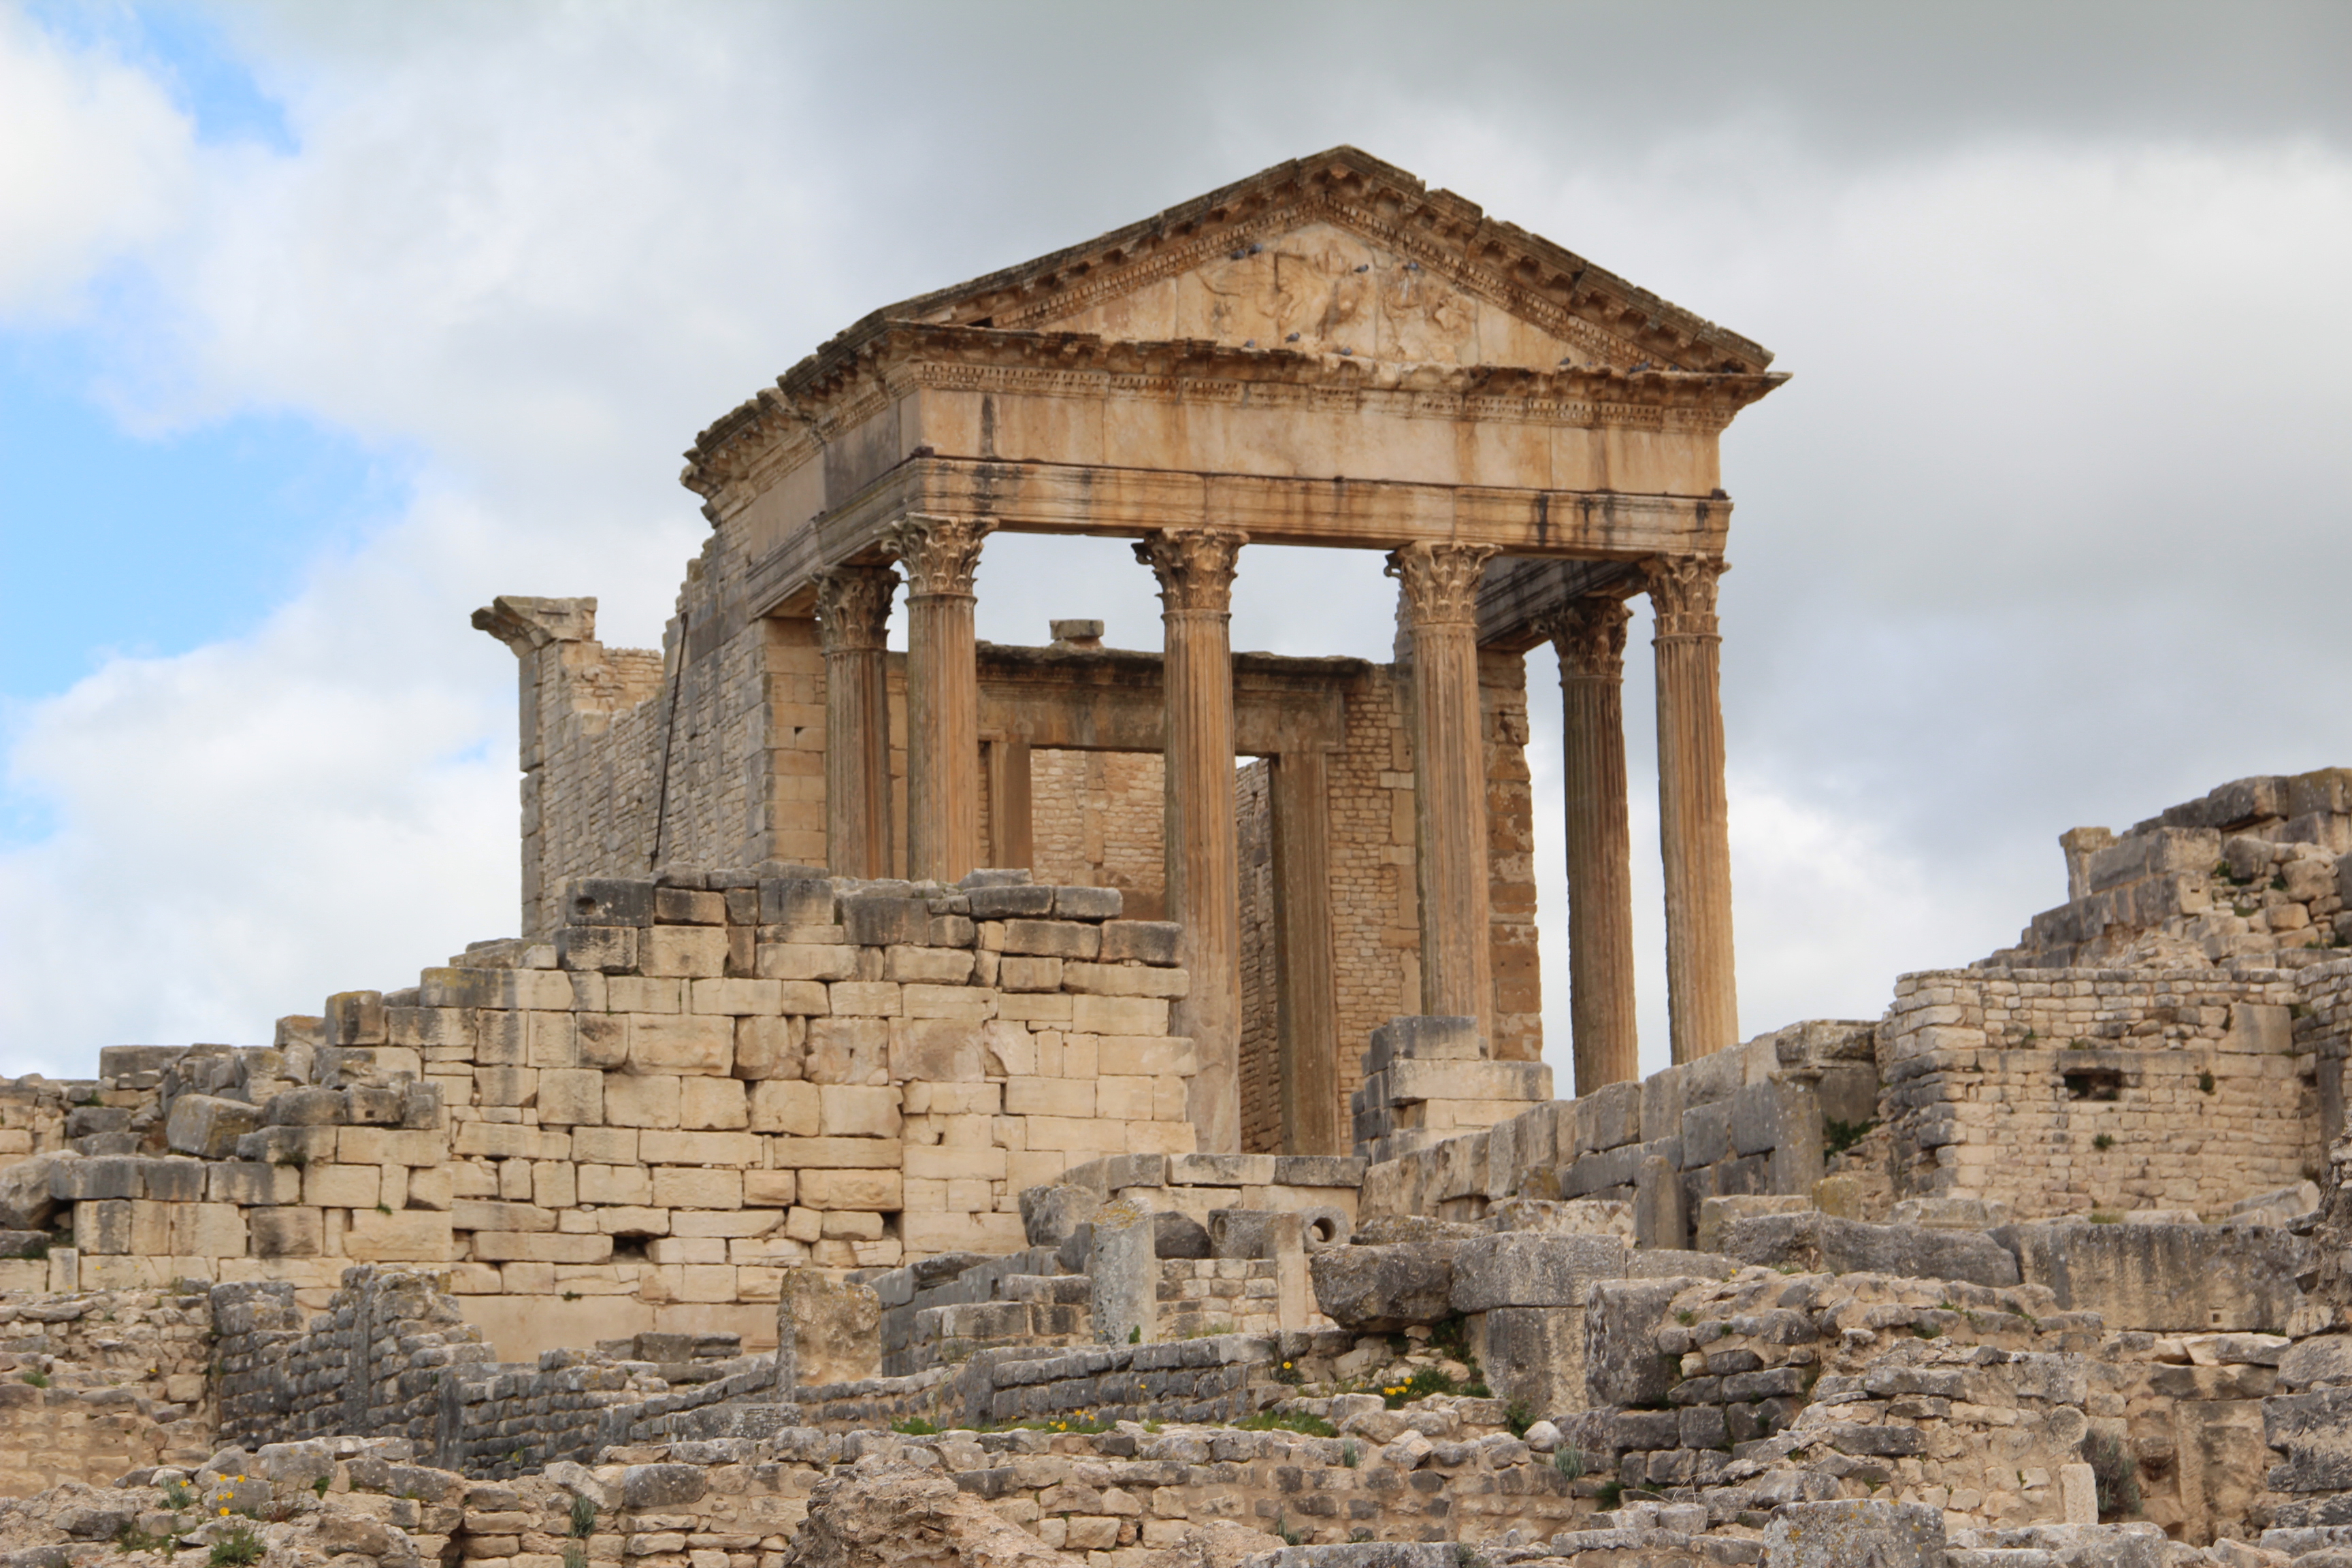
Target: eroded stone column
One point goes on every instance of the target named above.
(1693, 816)
(940, 555)
(853, 611)
(1195, 568)
(1589, 636)
(1307, 1016)
(1449, 771)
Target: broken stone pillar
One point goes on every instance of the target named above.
(1195, 568)
(1590, 637)
(940, 555)
(828, 1331)
(1659, 1217)
(854, 613)
(1124, 1272)
(1449, 763)
(1012, 835)
(1694, 818)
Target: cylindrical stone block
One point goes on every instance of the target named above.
(1589, 636)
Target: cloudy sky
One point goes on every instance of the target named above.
(321, 324)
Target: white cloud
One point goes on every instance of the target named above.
(92, 164)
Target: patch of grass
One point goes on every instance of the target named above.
(1927, 1331)
(2101, 1217)
(176, 1496)
(1282, 1528)
(1518, 1417)
(38, 1378)
(1287, 1421)
(2103, 1141)
(321, 1484)
(130, 1538)
(1569, 1462)
(1611, 1494)
(1837, 1137)
(1685, 1317)
(1288, 1372)
(1428, 1380)
(1350, 1455)
(1135, 1335)
(2116, 1476)
(2078, 1044)
(239, 1548)
(912, 1426)
(2205, 1081)
(583, 1521)
(575, 1555)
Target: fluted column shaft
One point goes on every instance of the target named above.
(1694, 815)
(940, 555)
(853, 609)
(1589, 636)
(1449, 773)
(1195, 568)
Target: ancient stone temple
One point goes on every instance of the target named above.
(1075, 1107)
(1328, 353)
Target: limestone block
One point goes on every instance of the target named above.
(1412, 1079)
(866, 999)
(927, 965)
(966, 1232)
(839, 1154)
(1011, 903)
(355, 1018)
(207, 1230)
(771, 1189)
(1534, 1356)
(683, 1186)
(969, 1003)
(1123, 1268)
(849, 1189)
(102, 1227)
(785, 1105)
(681, 1043)
(207, 1126)
(569, 1097)
(252, 1183)
(796, 902)
(540, 1246)
(304, 1106)
(286, 1233)
(1140, 942)
(1009, 1049)
(432, 1189)
(1852, 1530)
(948, 1162)
(656, 1147)
(688, 906)
(506, 1086)
(1148, 1056)
(1051, 1214)
(875, 919)
(1816, 1241)
(736, 998)
(806, 961)
(341, 1186)
(605, 1145)
(635, 1101)
(1119, 1015)
(849, 1110)
(478, 1214)
(1713, 1213)
(1077, 903)
(554, 1185)
(603, 950)
(1124, 979)
(804, 1225)
(828, 1331)
(615, 1185)
(849, 1225)
(2164, 1278)
(385, 1146)
(935, 1049)
(1381, 1289)
(1013, 974)
(633, 1221)
(1532, 1269)
(847, 1050)
(712, 1103)
(1125, 1099)
(1050, 939)
(682, 951)
(770, 1047)
(408, 1236)
(1049, 1097)
(603, 1040)
(1622, 1364)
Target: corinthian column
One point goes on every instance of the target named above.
(1195, 568)
(940, 554)
(1589, 634)
(853, 611)
(1694, 818)
(1449, 777)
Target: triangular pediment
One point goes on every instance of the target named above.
(1339, 254)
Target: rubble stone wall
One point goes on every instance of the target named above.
(95, 1384)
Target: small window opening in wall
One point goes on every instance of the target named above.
(2095, 1084)
(629, 1248)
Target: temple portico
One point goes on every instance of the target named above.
(1327, 354)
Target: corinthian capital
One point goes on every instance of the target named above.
(1440, 581)
(1589, 634)
(1682, 592)
(853, 606)
(940, 554)
(1195, 567)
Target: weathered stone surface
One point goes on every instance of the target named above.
(1177, 1235)
(1049, 1214)
(208, 1126)
(1532, 1269)
(2323, 1361)
(1821, 1243)
(893, 1515)
(1846, 1533)
(1379, 1290)
(2190, 1278)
